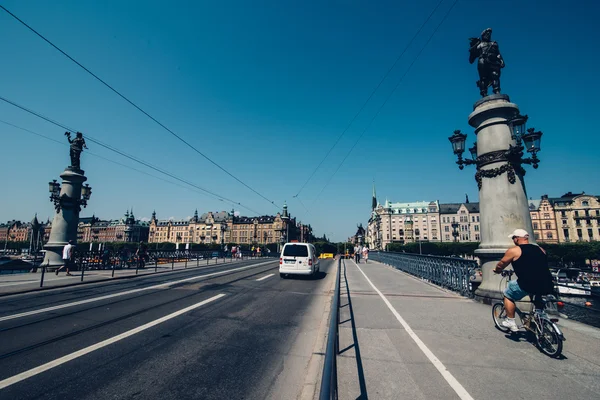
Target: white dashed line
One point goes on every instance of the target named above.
(265, 277)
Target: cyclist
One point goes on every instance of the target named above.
(530, 263)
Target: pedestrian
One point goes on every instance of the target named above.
(105, 258)
(233, 252)
(365, 254)
(67, 257)
(258, 251)
(141, 255)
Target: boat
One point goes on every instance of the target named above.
(569, 282)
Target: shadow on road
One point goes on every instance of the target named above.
(318, 276)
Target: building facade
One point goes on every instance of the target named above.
(223, 227)
(460, 222)
(543, 220)
(126, 229)
(577, 217)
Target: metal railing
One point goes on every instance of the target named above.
(85, 261)
(329, 378)
(450, 272)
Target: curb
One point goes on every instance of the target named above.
(314, 370)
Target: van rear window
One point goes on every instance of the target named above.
(295, 250)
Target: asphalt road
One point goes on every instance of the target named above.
(241, 332)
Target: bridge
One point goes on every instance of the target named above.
(233, 329)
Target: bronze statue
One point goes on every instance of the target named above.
(490, 61)
(77, 146)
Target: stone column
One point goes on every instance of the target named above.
(66, 218)
(502, 195)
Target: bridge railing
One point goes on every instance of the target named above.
(450, 272)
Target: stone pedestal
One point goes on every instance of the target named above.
(502, 195)
(66, 218)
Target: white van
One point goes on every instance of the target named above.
(298, 258)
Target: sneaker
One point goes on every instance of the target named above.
(510, 324)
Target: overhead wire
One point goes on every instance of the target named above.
(62, 143)
(387, 98)
(133, 158)
(370, 96)
(138, 107)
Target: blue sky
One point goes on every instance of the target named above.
(265, 87)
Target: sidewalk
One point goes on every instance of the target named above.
(461, 354)
(21, 283)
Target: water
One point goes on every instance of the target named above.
(579, 312)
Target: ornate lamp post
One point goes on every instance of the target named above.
(455, 231)
(68, 199)
(498, 157)
(223, 230)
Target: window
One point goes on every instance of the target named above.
(579, 234)
(478, 218)
(566, 233)
(472, 218)
(535, 225)
(546, 216)
(563, 214)
(537, 236)
(585, 203)
(549, 235)
(564, 221)
(548, 225)
(577, 213)
(597, 213)
(476, 228)
(477, 237)
(591, 234)
(447, 237)
(446, 228)
(453, 219)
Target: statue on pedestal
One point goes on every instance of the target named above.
(77, 146)
(490, 61)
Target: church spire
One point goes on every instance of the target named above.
(374, 199)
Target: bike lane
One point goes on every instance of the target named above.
(461, 354)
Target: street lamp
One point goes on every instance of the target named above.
(458, 146)
(455, 230)
(223, 229)
(513, 156)
(64, 200)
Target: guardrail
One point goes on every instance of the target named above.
(329, 378)
(450, 272)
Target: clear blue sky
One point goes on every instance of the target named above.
(265, 87)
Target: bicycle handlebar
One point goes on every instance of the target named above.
(506, 273)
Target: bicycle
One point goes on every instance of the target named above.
(548, 336)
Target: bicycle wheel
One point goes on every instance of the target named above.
(498, 314)
(548, 340)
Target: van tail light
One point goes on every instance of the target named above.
(310, 262)
(280, 261)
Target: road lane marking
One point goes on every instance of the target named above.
(454, 384)
(109, 296)
(59, 361)
(265, 277)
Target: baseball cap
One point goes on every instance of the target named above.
(519, 233)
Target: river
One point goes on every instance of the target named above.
(578, 311)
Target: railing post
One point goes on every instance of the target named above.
(186, 260)
(173, 263)
(82, 268)
(43, 273)
(156, 264)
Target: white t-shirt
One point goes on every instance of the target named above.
(67, 251)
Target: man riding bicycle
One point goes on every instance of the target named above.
(530, 263)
